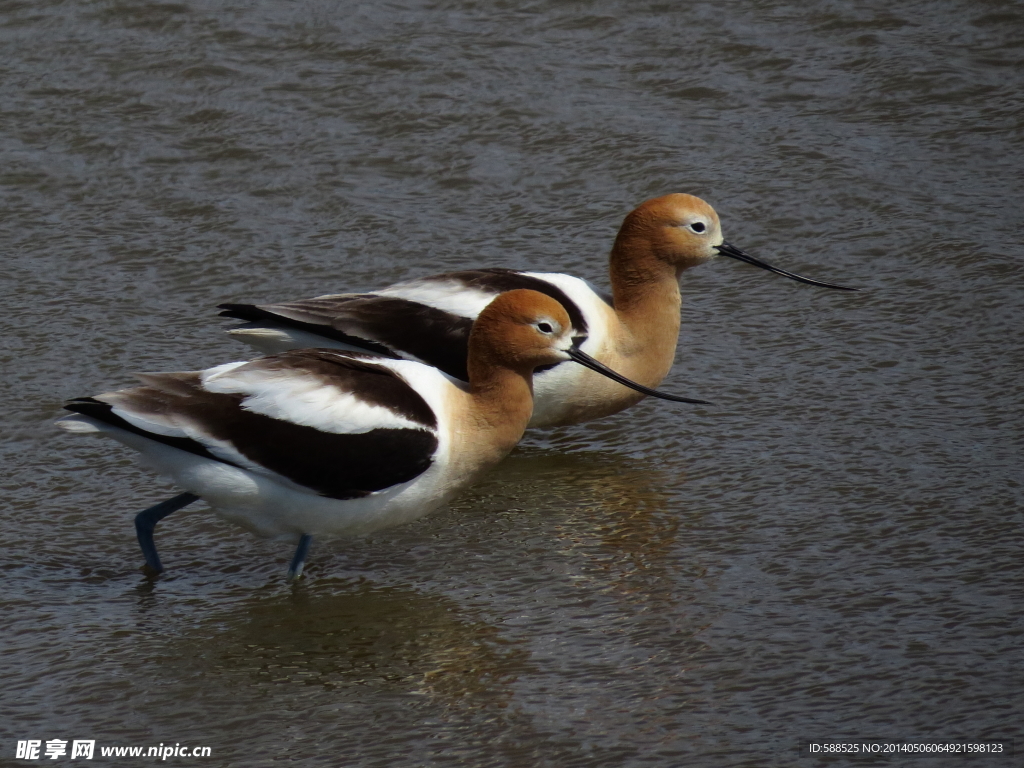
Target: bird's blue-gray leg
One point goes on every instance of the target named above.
(295, 569)
(145, 524)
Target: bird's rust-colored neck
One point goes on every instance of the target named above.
(513, 335)
(502, 397)
(645, 285)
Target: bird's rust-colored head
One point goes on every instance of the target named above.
(522, 330)
(680, 231)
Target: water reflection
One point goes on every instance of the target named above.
(609, 518)
(347, 634)
(592, 529)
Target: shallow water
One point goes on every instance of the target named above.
(832, 551)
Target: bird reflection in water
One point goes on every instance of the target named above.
(607, 517)
(351, 636)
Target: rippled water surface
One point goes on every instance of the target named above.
(834, 550)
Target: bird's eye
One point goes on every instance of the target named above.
(698, 227)
(544, 327)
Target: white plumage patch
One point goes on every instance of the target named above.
(78, 425)
(578, 290)
(219, 370)
(452, 296)
(303, 399)
(168, 426)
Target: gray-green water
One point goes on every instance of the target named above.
(833, 551)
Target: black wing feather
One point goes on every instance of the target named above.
(339, 466)
(395, 327)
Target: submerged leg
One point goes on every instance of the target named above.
(295, 569)
(145, 523)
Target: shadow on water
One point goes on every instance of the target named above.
(346, 636)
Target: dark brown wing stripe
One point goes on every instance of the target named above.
(436, 337)
(378, 324)
(339, 466)
(253, 313)
(387, 325)
(96, 409)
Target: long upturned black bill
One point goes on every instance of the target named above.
(733, 252)
(586, 360)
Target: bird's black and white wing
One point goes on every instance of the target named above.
(427, 319)
(335, 424)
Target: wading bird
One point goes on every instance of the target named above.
(633, 331)
(322, 442)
